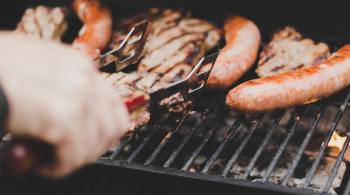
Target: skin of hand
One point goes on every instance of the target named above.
(57, 96)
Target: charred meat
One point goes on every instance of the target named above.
(288, 51)
(175, 44)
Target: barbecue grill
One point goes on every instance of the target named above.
(285, 151)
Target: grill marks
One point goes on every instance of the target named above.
(161, 55)
(180, 45)
(183, 56)
(131, 84)
(170, 50)
(167, 20)
(289, 51)
(176, 43)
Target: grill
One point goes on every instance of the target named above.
(212, 143)
(285, 151)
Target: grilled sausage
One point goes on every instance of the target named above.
(297, 87)
(239, 54)
(97, 29)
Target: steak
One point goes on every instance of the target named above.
(134, 89)
(175, 43)
(43, 22)
(288, 51)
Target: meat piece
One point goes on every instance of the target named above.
(174, 40)
(176, 73)
(163, 54)
(176, 103)
(147, 82)
(239, 53)
(43, 22)
(293, 88)
(139, 117)
(134, 89)
(97, 30)
(288, 51)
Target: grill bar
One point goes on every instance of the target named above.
(317, 161)
(281, 149)
(147, 139)
(165, 140)
(336, 166)
(233, 132)
(239, 150)
(196, 152)
(176, 152)
(303, 146)
(347, 189)
(119, 149)
(262, 146)
(121, 146)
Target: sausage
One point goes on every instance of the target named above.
(293, 88)
(238, 55)
(97, 29)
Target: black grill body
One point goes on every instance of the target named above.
(196, 152)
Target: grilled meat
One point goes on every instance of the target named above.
(176, 103)
(175, 44)
(97, 29)
(293, 88)
(288, 51)
(135, 87)
(43, 22)
(239, 53)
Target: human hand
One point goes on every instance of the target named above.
(56, 95)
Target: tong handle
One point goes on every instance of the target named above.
(23, 155)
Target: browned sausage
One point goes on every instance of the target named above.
(97, 29)
(238, 55)
(298, 87)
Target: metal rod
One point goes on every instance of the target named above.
(303, 146)
(239, 150)
(281, 149)
(199, 148)
(123, 144)
(261, 147)
(233, 131)
(196, 152)
(336, 166)
(147, 139)
(165, 140)
(347, 189)
(119, 149)
(176, 152)
(317, 161)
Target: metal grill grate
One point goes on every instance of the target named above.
(163, 149)
(209, 143)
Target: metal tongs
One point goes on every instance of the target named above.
(34, 152)
(120, 58)
(192, 84)
(23, 154)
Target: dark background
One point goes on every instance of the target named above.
(322, 17)
(328, 18)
